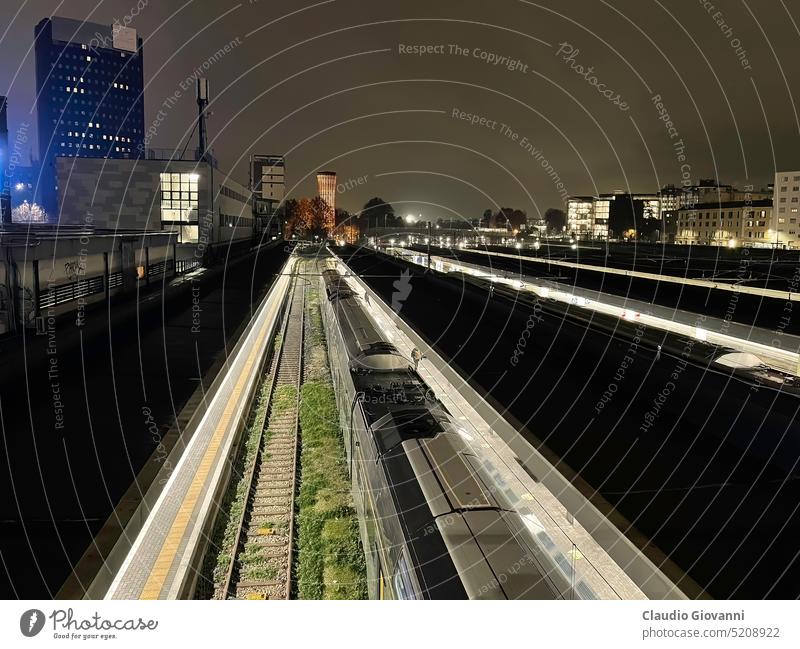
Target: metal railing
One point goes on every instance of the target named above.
(86, 287)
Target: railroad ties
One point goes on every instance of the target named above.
(262, 563)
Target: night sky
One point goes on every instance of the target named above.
(327, 85)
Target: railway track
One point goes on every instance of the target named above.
(263, 547)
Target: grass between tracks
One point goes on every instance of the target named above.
(218, 558)
(330, 559)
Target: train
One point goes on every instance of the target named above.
(431, 523)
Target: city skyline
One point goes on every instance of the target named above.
(662, 104)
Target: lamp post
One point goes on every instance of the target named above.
(429, 244)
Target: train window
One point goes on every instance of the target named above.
(402, 580)
(583, 591)
(562, 562)
(546, 541)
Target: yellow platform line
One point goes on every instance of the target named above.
(166, 557)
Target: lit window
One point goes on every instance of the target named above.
(179, 197)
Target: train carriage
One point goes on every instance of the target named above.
(431, 523)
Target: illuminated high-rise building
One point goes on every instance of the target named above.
(90, 95)
(326, 183)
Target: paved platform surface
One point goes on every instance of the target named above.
(163, 554)
(625, 575)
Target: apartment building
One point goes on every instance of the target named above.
(730, 223)
(786, 202)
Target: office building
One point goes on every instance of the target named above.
(90, 95)
(268, 187)
(615, 216)
(580, 216)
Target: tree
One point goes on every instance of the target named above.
(291, 212)
(348, 226)
(509, 218)
(345, 217)
(378, 212)
(308, 217)
(322, 221)
(556, 219)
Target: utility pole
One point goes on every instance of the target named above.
(204, 155)
(202, 104)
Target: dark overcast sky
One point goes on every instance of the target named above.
(328, 87)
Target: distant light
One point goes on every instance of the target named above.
(410, 218)
(519, 246)
(391, 242)
(537, 245)
(574, 246)
(427, 241)
(731, 243)
(19, 186)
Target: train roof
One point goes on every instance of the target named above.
(464, 539)
(366, 347)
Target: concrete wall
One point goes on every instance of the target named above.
(72, 258)
(119, 194)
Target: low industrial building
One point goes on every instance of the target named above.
(46, 272)
(192, 199)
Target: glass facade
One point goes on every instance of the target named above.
(180, 205)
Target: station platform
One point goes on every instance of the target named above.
(585, 544)
(734, 335)
(719, 284)
(163, 559)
